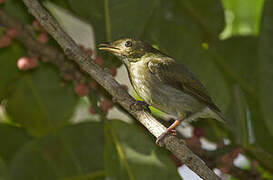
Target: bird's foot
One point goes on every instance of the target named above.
(164, 134)
(140, 105)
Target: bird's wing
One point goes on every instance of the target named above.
(178, 76)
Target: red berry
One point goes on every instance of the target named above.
(4, 41)
(98, 61)
(113, 71)
(26, 63)
(11, 33)
(198, 132)
(89, 52)
(92, 110)
(106, 105)
(42, 38)
(81, 89)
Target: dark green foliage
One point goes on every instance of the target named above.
(37, 99)
(131, 154)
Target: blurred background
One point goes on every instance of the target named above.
(56, 122)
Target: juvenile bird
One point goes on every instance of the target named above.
(164, 83)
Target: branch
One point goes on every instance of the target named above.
(176, 146)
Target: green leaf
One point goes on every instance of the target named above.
(74, 151)
(266, 64)
(238, 56)
(41, 101)
(130, 153)
(240, 60)
(113, 19)
(17, 10)
(244, 17)
(8, 67)
(11, 139)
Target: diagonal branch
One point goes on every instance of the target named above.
(176, 146)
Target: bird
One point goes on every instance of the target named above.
(163, 82)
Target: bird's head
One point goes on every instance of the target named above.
(128, 50)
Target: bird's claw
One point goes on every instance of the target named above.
(162, 136)
(140, 105)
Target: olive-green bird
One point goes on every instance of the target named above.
(164, 83)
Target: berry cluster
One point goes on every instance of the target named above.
(7, 37)
(42, 35)
(26, 63)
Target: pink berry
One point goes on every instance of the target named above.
(92, 110)
(106, 105)
(98, 61)
(89, 52)
(42, 38)
(26, 63)
(81, 89)
(4, 41)
(113, 71)
(11, 33)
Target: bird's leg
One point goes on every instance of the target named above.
(170, 130)
(139, 105)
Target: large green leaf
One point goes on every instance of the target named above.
(265, 68)
(239, 57)
(132, 154)
(8, 68)
(244, 17)
(11, 139)
(41, 101)
(74, 151)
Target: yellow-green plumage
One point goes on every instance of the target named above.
(162, 82)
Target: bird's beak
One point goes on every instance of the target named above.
(108, 47)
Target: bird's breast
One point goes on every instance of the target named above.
(142, 81)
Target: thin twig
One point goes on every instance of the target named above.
(73, 51)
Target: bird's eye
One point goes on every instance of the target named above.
(128, 43)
